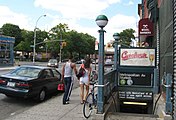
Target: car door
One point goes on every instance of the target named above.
(56, 79)
(49, 79)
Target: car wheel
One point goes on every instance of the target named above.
(9, 96)
(42, 95)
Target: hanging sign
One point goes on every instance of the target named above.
(145, 27)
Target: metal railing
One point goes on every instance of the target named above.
(109, 84)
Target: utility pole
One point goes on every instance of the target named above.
(60, 57)
(35, 38)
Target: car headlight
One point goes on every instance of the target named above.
(49, 63)
(55, 63)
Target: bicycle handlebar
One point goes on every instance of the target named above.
(102, 85)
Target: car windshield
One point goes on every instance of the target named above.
(53, 61)
(26, 72)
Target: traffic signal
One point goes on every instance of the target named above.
(64, 44)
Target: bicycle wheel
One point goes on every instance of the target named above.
(88, 106)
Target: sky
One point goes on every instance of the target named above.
(79, 15)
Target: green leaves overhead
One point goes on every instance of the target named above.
(126, 36)
(78, 44)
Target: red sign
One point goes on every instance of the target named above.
(145, 27)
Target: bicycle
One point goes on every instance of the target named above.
(91, 99)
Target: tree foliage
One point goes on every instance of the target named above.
(77, 44)
(12, 31)
(24, 45)
(126, 36)
(55, 37)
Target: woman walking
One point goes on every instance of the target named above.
(85, 79)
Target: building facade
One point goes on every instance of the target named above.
(161, 14)
(6, 50)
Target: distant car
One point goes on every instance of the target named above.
(30, 82)
(53, 63)
(109, 62)
(95, 61)
(80, 61)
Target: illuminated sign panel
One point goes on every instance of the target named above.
(135, 95)
(135, 79)
(138, 57)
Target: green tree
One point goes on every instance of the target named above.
(89, 43)
(40, 40)
(24, 45)
(126, 36)
(56, 33)
(79, 44)
(12, 31)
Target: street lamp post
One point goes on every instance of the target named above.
(116, 37)
(35, 37)
(116, 54)
(60, 57)
(101, 21)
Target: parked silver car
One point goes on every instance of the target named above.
(53, 63)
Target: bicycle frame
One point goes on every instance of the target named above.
(91, 99)
(90, 103)
(94, 100)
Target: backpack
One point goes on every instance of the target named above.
(81, 72)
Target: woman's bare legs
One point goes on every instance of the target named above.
(82, 92)
(87, 92)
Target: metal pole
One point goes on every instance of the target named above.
(116, 54)
(46, 52)
(116, 62)
(34, 45)
(35, 38)
(60, 57)
(168, 86)
(100, 101)
(60, 54)
(174, 57)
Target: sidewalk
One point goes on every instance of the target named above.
(53, 109)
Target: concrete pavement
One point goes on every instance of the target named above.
(53, 109)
